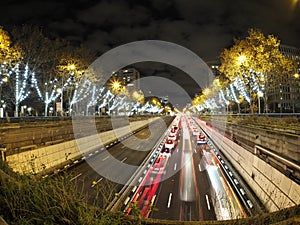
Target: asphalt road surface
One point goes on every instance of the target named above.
(97, 178)
(193, 186)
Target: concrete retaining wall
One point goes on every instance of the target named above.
(274, 189)
(283, 143)
(41, 159)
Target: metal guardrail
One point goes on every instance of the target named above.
(230, 175)
(120, 198)
(256, 114)
(292, 165)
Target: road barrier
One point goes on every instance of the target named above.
(274, 189)
(42, 160)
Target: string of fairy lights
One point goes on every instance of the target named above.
(25, 83)
(251, 84)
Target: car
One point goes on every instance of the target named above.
(201, 139)
(175, 127)
(169, 145)
(174, 130)
(172, 137)
(196, 132)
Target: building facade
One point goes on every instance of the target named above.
(128, 77)
(284, 95)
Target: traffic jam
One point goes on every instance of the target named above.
(145, 194)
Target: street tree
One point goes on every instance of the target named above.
(253, 60)
(41, 54)
(8, 52)
(73, 67)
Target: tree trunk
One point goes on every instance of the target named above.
(17, 110)
(46, 109)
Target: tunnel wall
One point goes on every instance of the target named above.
(274, 189)
(285, 142)
(46, 158)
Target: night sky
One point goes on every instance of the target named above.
(204, 27)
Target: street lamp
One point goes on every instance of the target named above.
(108, 107)
(259, 94)
(4, 80)
(241, 59)
(115, 85)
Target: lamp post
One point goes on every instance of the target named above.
(295, 93)
(227, 104)
(68, 69)
(259, 94)
(108, 108)
(4, 80)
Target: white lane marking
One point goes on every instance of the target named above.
(200, 168)
(105, 158)
(207, 201)
(124, 159)
(133, 189)
(94, 184)
(126, 200)
(169, 201)
(78, 175)
(177, 149)
(175, 166)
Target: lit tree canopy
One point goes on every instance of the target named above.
(255, 53)
(7, 52)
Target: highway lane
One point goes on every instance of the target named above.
(96, 177)
(198, 189)
(177, 198)
(218, 192)
(167, 200)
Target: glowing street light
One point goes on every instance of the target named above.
(71, 67)
(5, 79)
(115, 85)
(241, 59)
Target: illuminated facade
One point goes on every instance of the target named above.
(128, 77)
(284, 93)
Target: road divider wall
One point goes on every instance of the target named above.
(274, 189)
(59, 155)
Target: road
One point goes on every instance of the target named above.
(99, 178)
(191, 187)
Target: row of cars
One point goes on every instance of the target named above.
(172, 138)
(200, 137)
